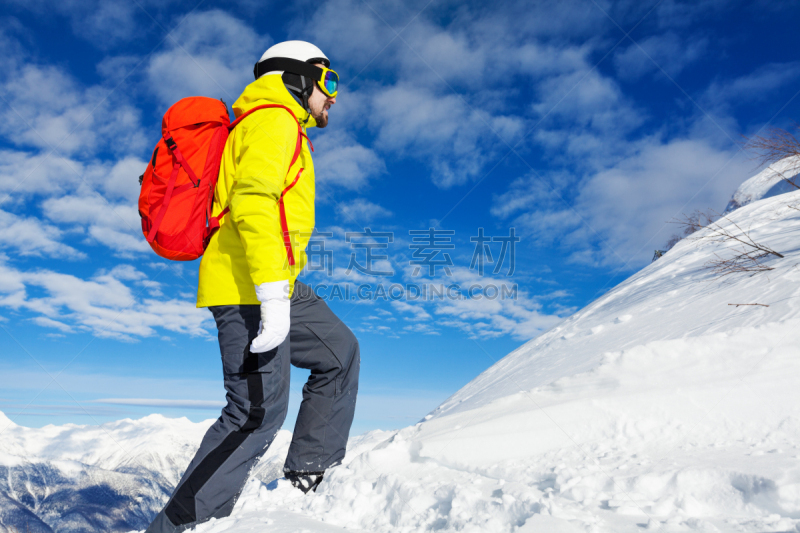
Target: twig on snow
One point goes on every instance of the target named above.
(748, 258)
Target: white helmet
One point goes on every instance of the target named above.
(299, 50)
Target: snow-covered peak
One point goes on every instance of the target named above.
(767, 183)
(148, 443)
(5, 422)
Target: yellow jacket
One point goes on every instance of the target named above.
(249, 247)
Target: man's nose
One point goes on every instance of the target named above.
(332, 100)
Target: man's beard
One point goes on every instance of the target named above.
(321, 118)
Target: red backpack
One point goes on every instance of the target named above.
(178, 185)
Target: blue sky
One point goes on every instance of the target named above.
(583, 125)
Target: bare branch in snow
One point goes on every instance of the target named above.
(696, 221)
(748, 257)
(777, 145)
(743, 261)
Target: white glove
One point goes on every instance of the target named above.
(274, 298)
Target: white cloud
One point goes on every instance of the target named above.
(50, 323)
(588, 100)
(29, 236)
(436, 112)
(115, 225)
(119, 241)
(121, 181)
(155, 402)
(524, 193)
(494, 309)
(348, 32)
(419, 327)
(341, 275)
(441, 54)
(622, 192)
(354, 35)
(678, 13)
(667, 51)
(539, 60)
(450, 105)
(104, 23)
(11, 281)
(154, 289)
(124, 273)
(472, 49)
(50, 110)
(69, 124)
(621, 213)
(483, 306)
(484, 319)
(210, 54)
(417, 312)
(91, 209)
(630, 203)
(361, 211)
(103, 304)
(23, 173)
(342, 161)
(494, 57)
(55, 324)
(454, 137)
(493, 316)
(753, 87)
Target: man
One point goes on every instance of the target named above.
(266, 319)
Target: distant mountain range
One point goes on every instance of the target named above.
(110, 478)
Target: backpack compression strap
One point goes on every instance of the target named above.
(180, 161)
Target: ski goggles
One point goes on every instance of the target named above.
(329, 83)
(327, 79)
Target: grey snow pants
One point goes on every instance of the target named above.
(257, 388)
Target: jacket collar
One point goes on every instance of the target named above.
(269, 89)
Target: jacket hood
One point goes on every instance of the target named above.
(269, 89)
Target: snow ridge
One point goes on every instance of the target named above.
(768, 183)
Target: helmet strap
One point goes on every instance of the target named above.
(300, 87)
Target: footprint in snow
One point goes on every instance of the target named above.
(595, 330)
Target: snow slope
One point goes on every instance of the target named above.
(767, 183)
(658, 407)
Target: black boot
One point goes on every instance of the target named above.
(305, 481)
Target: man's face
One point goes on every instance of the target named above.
(319, 103)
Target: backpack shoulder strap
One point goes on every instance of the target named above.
(213, 222)
(300, 132)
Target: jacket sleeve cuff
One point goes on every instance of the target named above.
(272, 290)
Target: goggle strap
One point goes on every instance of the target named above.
(301, 68)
